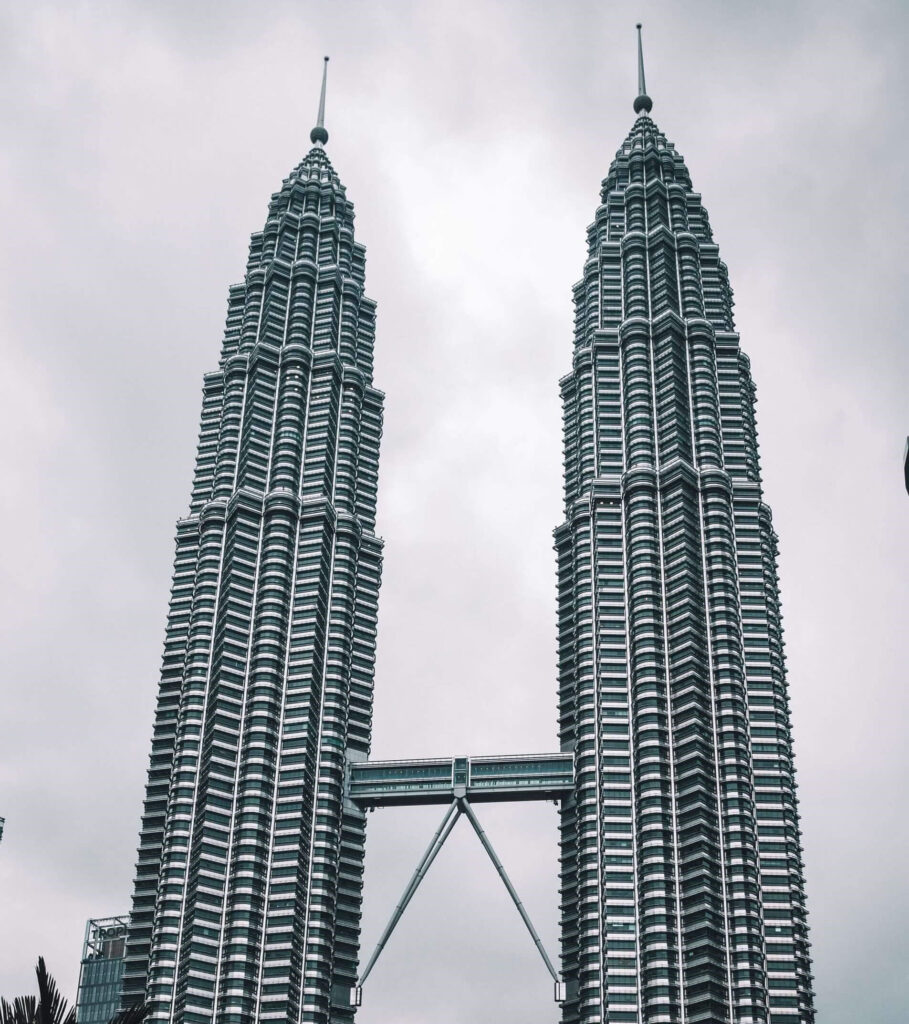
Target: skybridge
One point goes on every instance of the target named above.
(480, 779)
(457, 783)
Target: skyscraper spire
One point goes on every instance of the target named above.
(643, 103)
(319, 136)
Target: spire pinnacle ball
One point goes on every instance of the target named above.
(643, 103)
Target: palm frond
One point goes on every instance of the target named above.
(52, 1007)
(22, 1010)
(131, 1015)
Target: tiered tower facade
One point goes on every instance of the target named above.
(248, 888)
(681, 870)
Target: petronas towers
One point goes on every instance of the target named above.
(681, 878)
(682, 896)
(247, 894)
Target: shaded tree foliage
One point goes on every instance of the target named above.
(49, 1006)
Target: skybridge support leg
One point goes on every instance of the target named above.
(487, 846)
(438, 841)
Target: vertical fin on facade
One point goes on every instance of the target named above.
(643, 103)
(319, 136)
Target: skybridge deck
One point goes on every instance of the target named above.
(480, 779)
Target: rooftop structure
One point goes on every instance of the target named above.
(102, 969)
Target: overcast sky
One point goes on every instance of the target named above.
(139, 144)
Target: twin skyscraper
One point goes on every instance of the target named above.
(681, 880)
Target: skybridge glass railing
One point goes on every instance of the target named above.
(439, 781)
